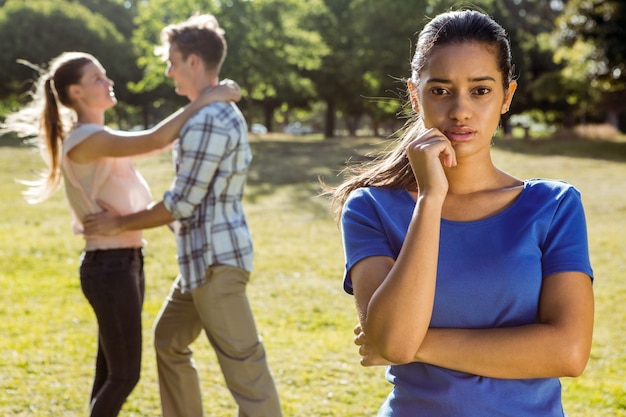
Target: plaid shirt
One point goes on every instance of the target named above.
(212, 158)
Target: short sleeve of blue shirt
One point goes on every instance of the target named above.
(374, 222)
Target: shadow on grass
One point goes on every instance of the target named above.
(298, 163)
(576, 148)
(288, 161)
(10, 140)
(302, 162)
(295, 166)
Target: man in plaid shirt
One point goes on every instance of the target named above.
(213, 241)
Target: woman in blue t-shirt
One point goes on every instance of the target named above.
(475, 287)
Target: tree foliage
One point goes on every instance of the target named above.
(269, 45)
(351, 55)
(371, 46)
(39, 30)
(273, 46)
(590, 42)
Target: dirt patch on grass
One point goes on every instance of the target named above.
(604, 132)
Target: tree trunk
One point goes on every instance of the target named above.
(352, 123)
(145, 112)
(268, 113)
(612, 118)
(506, 126)
(375, 127)
(329, 125)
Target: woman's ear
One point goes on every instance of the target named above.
(508, 96)
(75, 92)
(413, 96)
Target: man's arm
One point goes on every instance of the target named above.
(109, 222)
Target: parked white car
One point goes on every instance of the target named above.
(297, 128)
(258, 129)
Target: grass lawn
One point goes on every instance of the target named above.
(48, 331)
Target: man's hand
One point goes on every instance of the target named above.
(369, 356)
(105, 223)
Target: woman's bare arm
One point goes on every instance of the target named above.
(110, 143)
(557, 345)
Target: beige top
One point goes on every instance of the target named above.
(113, 180)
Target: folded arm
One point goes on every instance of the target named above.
(394, 299)
(557, 345)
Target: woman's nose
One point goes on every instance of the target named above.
(461, 108)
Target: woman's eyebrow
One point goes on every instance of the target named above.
(474, 80)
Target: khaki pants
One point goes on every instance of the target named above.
(221, 308)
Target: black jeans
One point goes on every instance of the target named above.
(113, 282)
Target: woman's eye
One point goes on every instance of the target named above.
(438, 91)
(481, 91)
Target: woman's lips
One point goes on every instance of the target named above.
(460, 134)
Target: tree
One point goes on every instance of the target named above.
(370, 49)
(591, 42)
(268, 47)
(119, 12)
(67, 26)
(388, 42)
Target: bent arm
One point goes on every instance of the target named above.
(394, 300)
(558, 345)
(110, 143)
(154, 216)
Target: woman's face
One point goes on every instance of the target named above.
(95, 89)
(461, 93)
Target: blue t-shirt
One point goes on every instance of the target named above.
(489, 275)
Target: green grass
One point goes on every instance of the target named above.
(47, 329)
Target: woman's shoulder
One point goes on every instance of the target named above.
(380, 194)
(377, 199)
(79, 134)
(554, 187)
(551, 193)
